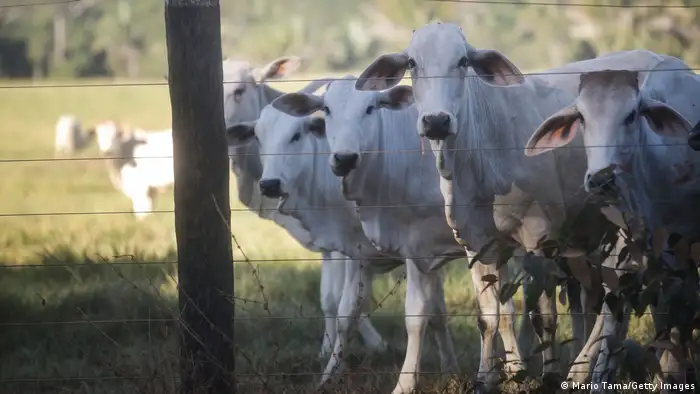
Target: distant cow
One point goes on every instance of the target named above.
(70, 136)
(140, 163)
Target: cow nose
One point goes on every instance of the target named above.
(694, 138)
(343, 163)
(271, 188)
(601, 183)
(436, 127)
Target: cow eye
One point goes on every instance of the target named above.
(463, 62)
(411, 64)
(370, 109)
(327, 111)
(295, 137)
(630, 118)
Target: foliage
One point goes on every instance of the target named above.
(127, 37)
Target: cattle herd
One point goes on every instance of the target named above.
(606, 143)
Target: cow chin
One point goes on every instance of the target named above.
(341, 171)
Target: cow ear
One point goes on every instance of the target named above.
(385, 72)
(317, 126)
(240, 133)
(555, 132)
(398, 97)
(297, 104)
(494, 67)
(663, 119)
(278, 68)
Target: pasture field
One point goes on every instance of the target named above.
(89, 307)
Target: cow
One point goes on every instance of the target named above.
(477, 110)
(140, 163)
(70, 136)
(245, 95)
(371, 136)
(295, 172)
(636, 132)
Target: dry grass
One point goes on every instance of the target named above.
(73, 282)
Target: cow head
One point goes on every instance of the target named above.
(351, 116)
(109, 136)
(244, 89)
(616, 119)
(438, 57)
(285, 143)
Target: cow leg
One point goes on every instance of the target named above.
(615, 325)
(141, 199)
(581, 367)
(332, 284)
(672, 369)
(421, 291)
(371, 337)
(438, 322)
(494, 318)
(544, 320)
(349, 311)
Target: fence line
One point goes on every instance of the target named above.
(382, 151)
(17, 5)
(301, 317)
(101, 263)
(286, 210)
(291, 80)
(587, 5)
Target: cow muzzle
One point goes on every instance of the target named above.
(343, 163)
(270, 188)
(435, 126)
(694, 138)
(601, 183)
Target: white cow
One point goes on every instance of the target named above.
(636, 140)
(295, 171)
(245, 95)
(70, 136)
(140, 164)
(400, 208)
(478, 110)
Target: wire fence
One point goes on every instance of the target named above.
(280, 334)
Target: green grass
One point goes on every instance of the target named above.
(70, 273)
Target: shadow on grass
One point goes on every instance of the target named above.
(111, 326)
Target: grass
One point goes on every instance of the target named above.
(73, 320)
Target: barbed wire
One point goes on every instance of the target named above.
(40, 380)
(25, 4)
(268, 260)
(362, 152)
(310, 317)
(312, 208)
(588, 5)
(292, 80)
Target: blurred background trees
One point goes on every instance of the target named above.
(125, 38)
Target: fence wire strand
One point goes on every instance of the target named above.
(293, 80)
(565, 4)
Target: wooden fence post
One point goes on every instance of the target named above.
(202, 210)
